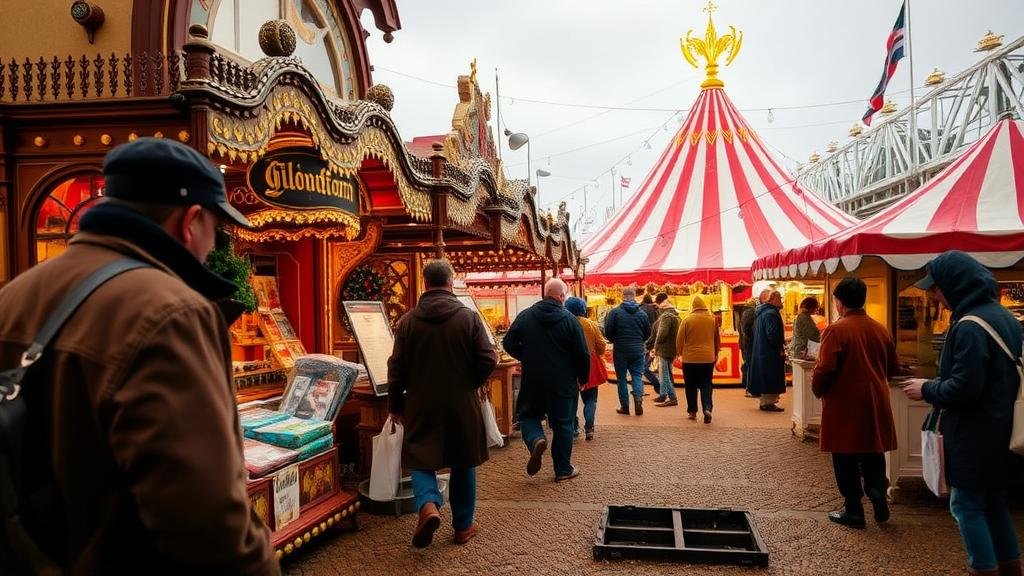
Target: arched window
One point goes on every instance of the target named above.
(319, 35)
(58, 215)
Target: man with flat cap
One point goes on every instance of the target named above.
(131, 405)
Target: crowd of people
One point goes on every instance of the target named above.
(122, 436)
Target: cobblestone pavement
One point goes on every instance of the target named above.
(744, 459)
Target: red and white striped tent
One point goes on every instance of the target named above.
(715, 201)
(976, 204)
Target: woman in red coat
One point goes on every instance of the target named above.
(856, 360)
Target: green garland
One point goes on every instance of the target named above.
(225, 263)
(364, 283)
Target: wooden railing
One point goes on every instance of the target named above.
(84, 78)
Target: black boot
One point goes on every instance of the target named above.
(638, 406)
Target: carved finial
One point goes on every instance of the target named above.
(199, 32)
(472, 71)
(277, 38)
(710, 48)
(856, 130)
(936, 77)
(382, 95)
(989, 42)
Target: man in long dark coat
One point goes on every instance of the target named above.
(549, 342)
(442, 357)
(746, 333)
(856, 360)
(768, 360)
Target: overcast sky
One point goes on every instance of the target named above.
(796, 53)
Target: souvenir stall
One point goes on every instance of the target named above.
(713, 202)
(976, 204)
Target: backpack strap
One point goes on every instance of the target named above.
(1018, 361)
(10, 380)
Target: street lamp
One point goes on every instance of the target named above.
(515, 142)
(541, 173)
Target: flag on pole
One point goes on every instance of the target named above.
(623, 181)
(894, 53)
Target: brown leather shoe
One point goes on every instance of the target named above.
(463, 536)
(430, 519)
(1011, 568)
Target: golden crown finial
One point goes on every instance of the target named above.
(711, 47)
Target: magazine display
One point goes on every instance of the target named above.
(319, 400)
(320, 386)
(261, 458)
(315, 447)
(259, 417)
(291, 433)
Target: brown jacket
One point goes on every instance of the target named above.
(442, 356)
(856, 359)
(136, 394)
(596, 344)
(698, 340)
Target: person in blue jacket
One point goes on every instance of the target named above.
(628, 328)
(549, 342)
(975, 392)
(767, 371)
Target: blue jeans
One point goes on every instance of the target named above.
(985, 526)
(626, 366)
(589, 406)
(668, 386)
(560, 413)
(461, 493)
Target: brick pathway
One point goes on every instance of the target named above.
(744, 459)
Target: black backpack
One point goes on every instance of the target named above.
(31, 514)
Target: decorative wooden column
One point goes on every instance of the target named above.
(439, 199)
(6, 169)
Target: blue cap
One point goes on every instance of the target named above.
(162, 171)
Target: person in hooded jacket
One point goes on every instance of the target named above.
(628, 329)
(699, 343)
(974, 394)
(441, 358)
(549, 342)
(597, 345)
(767, 370)
(663, 334)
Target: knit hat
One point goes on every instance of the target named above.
(576, 305)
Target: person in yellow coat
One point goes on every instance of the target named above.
(698, 343)
(596, 345)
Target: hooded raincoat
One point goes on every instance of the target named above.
(442, 355)
(549, 342)
(977, 383)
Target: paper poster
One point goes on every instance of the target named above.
(267, 296)
(812, 349)
(286, 496)
(373, 335)
(297, 349)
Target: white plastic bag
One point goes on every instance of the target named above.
(933, 465)
(386, 469)
(494, 437)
